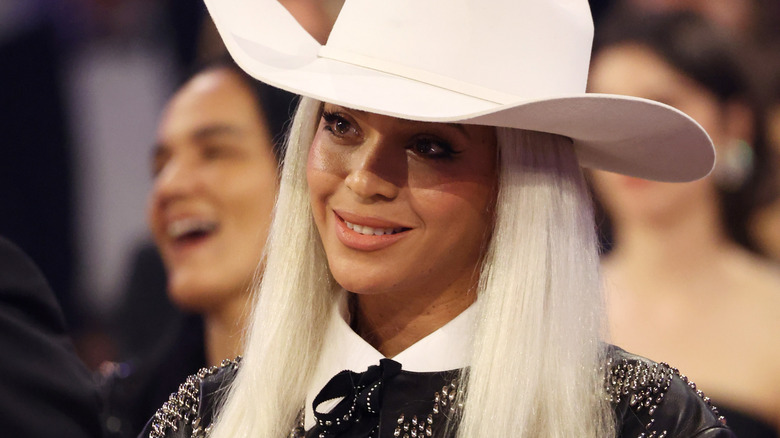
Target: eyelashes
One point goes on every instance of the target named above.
(423, 145)
(337, 124)
(433, 148)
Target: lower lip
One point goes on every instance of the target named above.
(181, 248)
(364, 242)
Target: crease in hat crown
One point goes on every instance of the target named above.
(416, 74)
(467, 47)
(457, 45)
(512, 63)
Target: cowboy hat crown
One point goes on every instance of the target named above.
(511, 63)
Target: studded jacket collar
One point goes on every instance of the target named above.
(651, 400)
(447, 348)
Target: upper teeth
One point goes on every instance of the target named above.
(362, 229)
(181, 227)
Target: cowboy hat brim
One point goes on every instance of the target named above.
(627, 135)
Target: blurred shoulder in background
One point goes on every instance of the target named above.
(45, 389)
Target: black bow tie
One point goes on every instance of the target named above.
(361, 403)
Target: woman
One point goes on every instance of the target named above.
(421, 219)
(683, 284)
(215, 166)
(215, 170)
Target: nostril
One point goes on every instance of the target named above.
(367, 185)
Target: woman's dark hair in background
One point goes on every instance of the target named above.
(705, 54)
(269, 99)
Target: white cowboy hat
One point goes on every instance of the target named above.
(513, 63)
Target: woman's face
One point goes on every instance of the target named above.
(214, 188)
(401, 206)
(632, 69)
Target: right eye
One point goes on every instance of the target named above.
(338, 125)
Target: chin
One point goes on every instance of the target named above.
(364, 285)
(193, 296)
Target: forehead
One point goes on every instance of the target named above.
(212, 97)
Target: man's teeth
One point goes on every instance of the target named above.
(362, 229)
(183, 227)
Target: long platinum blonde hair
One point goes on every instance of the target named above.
(535, 369)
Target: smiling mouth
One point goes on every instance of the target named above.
(369, 231)
(190, 229)
(367, 238)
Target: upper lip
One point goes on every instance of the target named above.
(179, 226)
(369, 221)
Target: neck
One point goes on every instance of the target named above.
(391, 323)
(669, 249)
(223, 330)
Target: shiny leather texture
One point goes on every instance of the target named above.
(650, 401)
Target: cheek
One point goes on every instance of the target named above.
(464, 205)
(154, 216)
(314, 171)
(317, 162)
(242, 195)
(324, 168)
(458, 207)
(472, 186)
(470, 196)
(320, 179)
(325, 157)
(314, 163)
(254, 204)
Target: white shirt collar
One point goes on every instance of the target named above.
(447, 348)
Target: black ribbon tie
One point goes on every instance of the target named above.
(361, 399)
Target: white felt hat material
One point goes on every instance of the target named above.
(512, 63)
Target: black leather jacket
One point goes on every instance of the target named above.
(650, 400)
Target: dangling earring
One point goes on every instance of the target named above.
(734, 165)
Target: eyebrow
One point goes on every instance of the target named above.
(459, 126)
(203, 133)
(215, 130)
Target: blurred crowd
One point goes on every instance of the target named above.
(128, 137)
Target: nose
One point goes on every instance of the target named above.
(175, 180)
(378, 173)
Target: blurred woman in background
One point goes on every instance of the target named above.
(216, 174)
(216, 170)
(683, 284)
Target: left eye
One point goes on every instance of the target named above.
(215, 151)
(431, 148)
